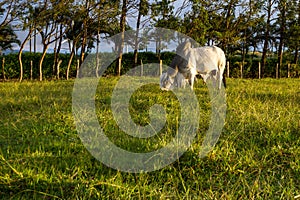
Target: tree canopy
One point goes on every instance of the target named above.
(237, 26)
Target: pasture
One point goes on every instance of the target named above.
(256, 157)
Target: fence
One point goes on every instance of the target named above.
(288, 71)
(241, 70)
(235, 68)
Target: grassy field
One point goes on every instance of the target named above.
(256, 157)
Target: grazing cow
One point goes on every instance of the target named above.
(179, 81)
(208, 61)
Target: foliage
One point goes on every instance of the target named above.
(8, 13)
(237, 26)
(7, 38)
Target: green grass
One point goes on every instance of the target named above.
(256, 157)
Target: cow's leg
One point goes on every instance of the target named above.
(192, 82)
(192, 79)
(220, 75)
(213, 76)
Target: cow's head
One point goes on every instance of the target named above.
(180, 63)
(167, 79)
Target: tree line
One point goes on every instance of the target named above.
(250, 29)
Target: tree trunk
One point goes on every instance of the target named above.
(55, 55)
(83, 47)
(230, 9)
(282, 33)
(266, 38)
(69, 63)
(41, 62)
(279, 59)
(20, 54)
(122, 28)
(85, 34)
(72, 47)
(30, 42)
(57, 51)
(97, 54)
(136, 41)
(3, 71)
(158, 48)
(253, 54)
(296, 55)
(244, 52)
(34, 41)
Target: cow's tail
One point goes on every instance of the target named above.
(222, 65)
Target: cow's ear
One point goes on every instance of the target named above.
(176, 69)
(187, 47)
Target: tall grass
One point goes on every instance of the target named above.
(256, 157)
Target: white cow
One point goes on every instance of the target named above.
(208, 61)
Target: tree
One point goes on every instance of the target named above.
(142, 11)
(282, 7)
(57, 48)
(293, 28)
(122, 29)
(62, 15)
(72, 35)
(248, 30)
(85, 23)
(47, 26)
(105, 24)
(28, 17)
(8, 13)
(84, 12)
(7, 38)
(196, 23)
(163, 16)
(269, 9)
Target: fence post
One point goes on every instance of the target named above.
(142, 68)
(119, 66)
(58, 68)
(77, 68)
(288, 70)
(3, 71)
(31, 69)
(277, 66)
(241, 69)
(160, 67)
(227, 69)
(259, 70)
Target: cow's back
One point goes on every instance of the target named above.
(205, 59)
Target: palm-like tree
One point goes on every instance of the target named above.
(7, 38)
